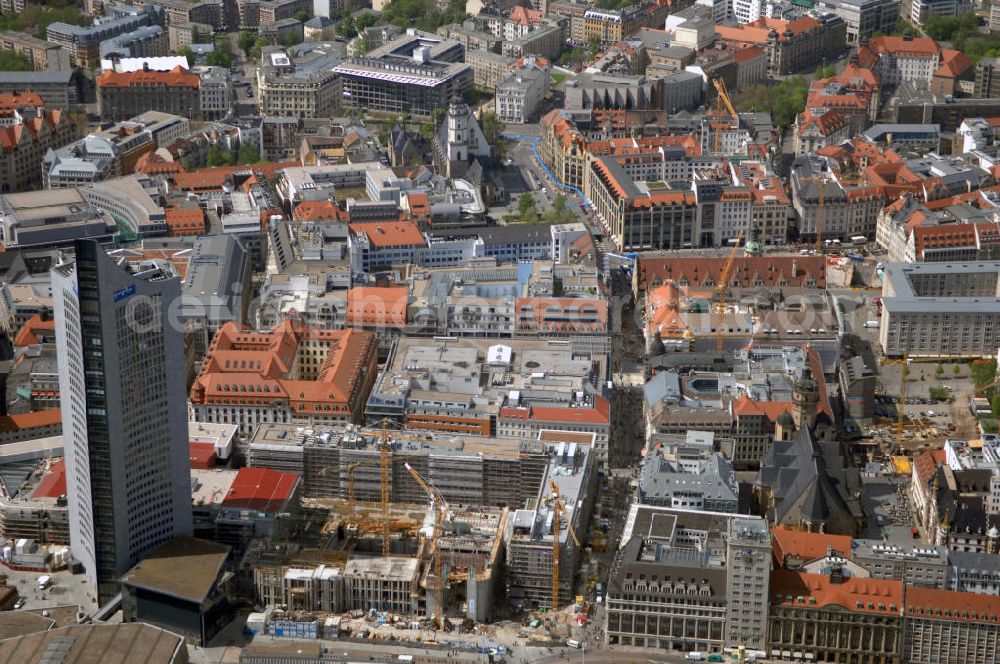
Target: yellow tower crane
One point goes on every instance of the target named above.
(722, 100)
(558, 508)
(722, 290)
(386, 477)
(441, 510)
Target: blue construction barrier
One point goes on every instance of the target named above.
(534, 150)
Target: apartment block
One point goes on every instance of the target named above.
(864, 18)
(917, 565)
(489, 68)
(43, 55)
(28, 132)
(791, 46)
(83, 43)
(300, 84)
(834, 618)
(56, 88)
(640, 215)
(946, 626)
(520, 94)
(689, 581)
(127, 94)
(940, 309)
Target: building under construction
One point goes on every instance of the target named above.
(351, 575)
(542, 547)
(467, 469)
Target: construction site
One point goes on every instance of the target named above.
(422, 531)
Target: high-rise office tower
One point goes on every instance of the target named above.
(121, 377)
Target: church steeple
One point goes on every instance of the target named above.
(805, 397)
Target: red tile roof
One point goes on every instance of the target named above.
(816, 591)
(189, 221)
(747, 54)
(757, 32)
(523, 16)
(696, 270)
(390, 234)
(53, 484)
(953, 64)
(902, 45)
(261, 489)
(19, 100)
(926, 463)
(786, 542)
(317, 211)
(34, 420)
(772, 410)
(934, 604)
(178, 77)
(251, 368)
(210, 179)
(827, 120)
(35, 330)
(377, 306)
(13, 136)
(599, 414)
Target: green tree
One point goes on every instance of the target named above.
(784, 100)
(493, 129)
(573, 56)
(825, 72)
(422, 14)
(257, 47)
(365, 20)
(983, 373)
(526, 207)
(957, 369)
(594, 47)
(939, 370)
(291, 40)
(995, 405)
(217, 157)
(427, 130)
(360, 45)
(438, 114)
(219, 58)
(246, 41)
(559, 203)
(346, 28)
(247, 154)
(938, 393)
(302, 16)
(11, 61)
(187, 53)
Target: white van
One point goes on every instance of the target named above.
(573, 643)
(695, 656)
